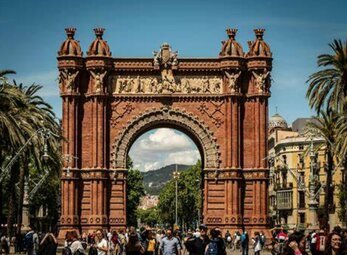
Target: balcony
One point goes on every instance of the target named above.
(285, 199)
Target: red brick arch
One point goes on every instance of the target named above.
(166, 117)
(221, 103)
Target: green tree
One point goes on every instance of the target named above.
(22, 114)
(189, 198)
(149, 216)
(325, 127)
(329, 86)
(134, 190)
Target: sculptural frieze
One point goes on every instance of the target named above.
(98, 77)
(232, 79)
(260, 79)
(165, 84)
(67, 77)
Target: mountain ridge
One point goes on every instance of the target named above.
(154, 180)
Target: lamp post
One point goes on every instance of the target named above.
(176, 176)
(313, 203)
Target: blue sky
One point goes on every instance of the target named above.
(297, 31)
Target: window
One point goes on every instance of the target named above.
(301, 199)
(302, 217)
(284, 200)
(284, 158)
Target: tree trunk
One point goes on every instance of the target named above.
(328, 197)
(12, 202)
(22, 172)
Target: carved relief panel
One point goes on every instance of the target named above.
(165, 84)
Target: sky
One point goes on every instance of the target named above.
(297, 32)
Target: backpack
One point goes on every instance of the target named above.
(93, 251)
(243, 238)
(66, 251)
(229, 239)
(29, 240)
(212, 248)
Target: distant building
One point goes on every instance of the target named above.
(289, 175)
(148, 201)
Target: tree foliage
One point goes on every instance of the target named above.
(23, 117)
(189, 198)
(134, 190)
(328, 90)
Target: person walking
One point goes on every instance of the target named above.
(295, 245)
(244, 243)
(134, 246)
(102, 244)
(257, 243)
(48, 245)
(31, 242)
(196, 245)
(169, 245)
(334, 245)
(216, 245)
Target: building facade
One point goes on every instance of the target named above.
(290, 176)
(220, 103)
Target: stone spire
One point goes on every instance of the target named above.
(99, 47)
(231, 47)
(70, 47)
(259, 48)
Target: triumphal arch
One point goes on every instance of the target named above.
(220, 103)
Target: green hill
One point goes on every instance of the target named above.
(154, 180)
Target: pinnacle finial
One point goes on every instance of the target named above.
(99, 31)
(70, 32)
(259, 32)
(231, 32)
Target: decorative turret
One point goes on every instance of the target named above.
(231, 47)
(99, 47)
(259, 48)
(70, 47)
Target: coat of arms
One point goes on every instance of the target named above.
(165, 56)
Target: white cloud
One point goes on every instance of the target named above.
(165, 139)
(162, 147)
(183, 157)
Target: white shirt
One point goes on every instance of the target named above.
(102, 244)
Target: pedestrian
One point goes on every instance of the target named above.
(102, 244)
(244, 243)
(321, 242)
(296, 244)
(334, 245)
(150, 244)
(196, 245)
(169, 245)
(216, 245)
(313, 242)
(48, 245)
(72, 244)
(257, 243)
(228, 239)
(31, 242)
(134, 246)
(4, 247)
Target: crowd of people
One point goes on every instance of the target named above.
(202, 241)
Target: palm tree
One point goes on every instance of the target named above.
(325, 127)
(36, 115)
(329, 86)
